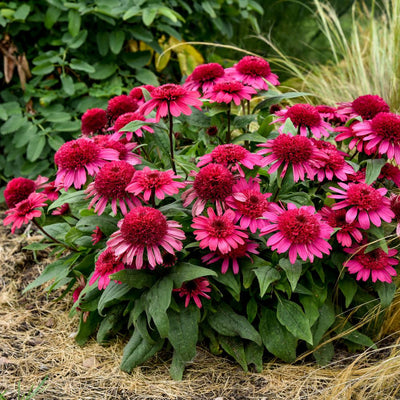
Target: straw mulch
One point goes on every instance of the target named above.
(36, 341)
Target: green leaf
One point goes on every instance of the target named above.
(58, 230)
(131, 12)
(231, 282)
(67, 84)
(275, 98)
(103, 70)
(242, 121)
(78, 40)
(55, 142)
(138, 350)
(298, 199)
(251, 309)
(310, 306)
(234, 347)
(386, 292)
(148, 15)
(132, 126)
(348, 287)
(106, 223)
(228, 323)
(254, 355)
(326, 319)
(250, 137)
(111, 324)
(22, 12)
(79, 65)
(288, 127)
(43, 69)
(177, 367)
(12, 124)
(87, 328)
(146, 77)
(292, 317)
(138, 59)
(276, 338)
(208, 8)
(292, 271)
(35, 148)
(324, 354)
(51, 16)
(158, 301)
(102, 42)
(184, 272)
(70, 197)
(37, 246)
(355, 336)
(134, 278)
(74, 22)
(266, 275)
(111, 294)
(373, 169)
(58, 116)
(116, 39)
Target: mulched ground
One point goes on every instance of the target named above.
(36, 343)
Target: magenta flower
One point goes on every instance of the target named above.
(149, 181)
(381, 134)
(330, 114)
(218, 231)
(366, 106)
(142, 232)
(366, 203)
(304, 117)
(76, 157)
(93, 121)
(226, 91)
(18, 189)
(395, 207)
(124, 120)
(97, 235)
(171, 98)
(347, 132)
(231, 156)
(390, 172)
(233, 255)
(25, 211)
(301, 231)
(106, 265)
(193, 290)
(295, 151)
(109, 186)
(64, 209)
(212, 183)
(253, 71)
(137, 93)
(204, 77)
(375, 263)
(119, 105)
(249, 204)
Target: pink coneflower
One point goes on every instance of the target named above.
(357, 177)
(301, 231)
(171, 98)
(331, 162)
(97, 235)
(366, 106)
(142, 232)
(390, 172)
(330, 114)
(345, 232)
(93, 121)
(395, 207)
(51, 191)
(226, 91)
(253, 71)
(119, 105)
(249, 203)
(122, 146)
(213, 183)
(25, 211)
(304, 117)
(218, 231)
(231, 156)
(233, 255)
(382, 134)
(61, 210)
(124, 119)
(76, 157)
(109, 186)
(193, 289)
(106, 265)
(375, 263)
(366, 203)
(287, 150)
(137, 93)
(347, 132)
(160, 183)
(204, 77)
(18, 189)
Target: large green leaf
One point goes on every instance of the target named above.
(386, 292)
(326, 319)
(235, 348)
(135, 278)
(184, 272)
(266, 275)
(70, 198)
(373, 169)
(112, 294)
(274, 98)
(292, 271)
(106, 223)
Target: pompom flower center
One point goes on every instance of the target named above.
(387, 125)
(207, 72)
(254, 206)
(299, 227)
(228, 154)
(374, 260)
(153, 179)
(221, 228)
(364, 196)
(213, 182)
(169, 92)
(17, 190)
(304, 114)
(105, 264)
(253, 66)
(113, 178)
(292, 149)
(231, 87)
(76, 154)
(369, 105)
(144, 226)
(335, 160)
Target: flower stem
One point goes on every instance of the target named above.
(171, 139)
(228, 131)
(51, 237)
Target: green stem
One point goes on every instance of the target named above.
(171, 139)
(51, 237)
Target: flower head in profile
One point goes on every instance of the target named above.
(330, 114)
(171, 98)
(228, 90)
(204, 77)
(395, 207)
(62, 210)
(231, 156)
(212, 183)
(106, 265)
(137, 93)
(161, 183)
(305, 118)
(51, 190)
(193, 290)
(366, 106)
(25, 211)
(364, 202)
(124, 120)
(347, 132)
(253, 71)
(301, 231)
(109, 187)
(391, 173)
(249, 204)
(375, 264)
(97, 235)
(142, 233)
(119, 105)
(76, 158)
(381, 134)
(218, 232)
(243, 250)
(93, 121)
(295, 151)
